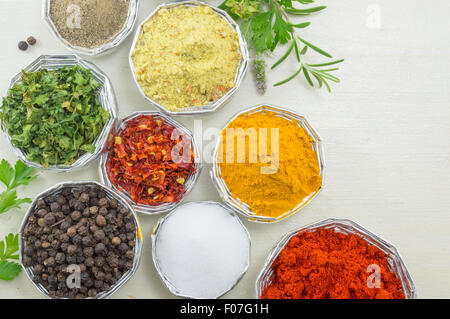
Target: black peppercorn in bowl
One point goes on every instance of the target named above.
(80, 240)
(105, 96)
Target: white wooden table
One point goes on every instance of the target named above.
(386, 132)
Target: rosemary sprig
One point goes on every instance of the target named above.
(322, 76)
(266, 25)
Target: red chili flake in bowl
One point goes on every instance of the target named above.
(147, 160)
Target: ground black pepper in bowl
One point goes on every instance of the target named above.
(90, 24)
(81, 228)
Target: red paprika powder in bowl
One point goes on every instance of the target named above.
(334, 259)
(152, 160)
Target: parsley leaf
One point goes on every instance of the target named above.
(6, 173)
(282, 29)
(9, 249)
(22, 175)
(13, 177)
(9, 200)
(9, 270)
(262, 37)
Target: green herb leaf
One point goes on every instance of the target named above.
(297, 53)
(9, 247)
(282, 29)
(262, 36)
(328, 76)
(326, 64)
(6, 173)
(301, 25)
(304, 11)
(9, 200)
(289, 78)
(308, 78)
(9, 270)
(315, 48)
(284, 56)
(23, 174)
(304, 50)
(319, 80)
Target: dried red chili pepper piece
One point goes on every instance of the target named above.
(151, 160)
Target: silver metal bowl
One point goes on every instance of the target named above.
(344, 226)
(110, 194)
(107, 47)
(189, 183)
(242, 68)
(155, 239)
(106, 99)
(241, 207)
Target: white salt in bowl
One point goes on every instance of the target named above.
(200, 250)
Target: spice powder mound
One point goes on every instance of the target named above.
(141, 161)
(324, 264)
(89, 23)
(186, 57)
(293, 171)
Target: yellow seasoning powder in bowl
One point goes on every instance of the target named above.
(186, 56)
(276, 167)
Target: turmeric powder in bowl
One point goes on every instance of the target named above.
(186, 56)
(269, 163)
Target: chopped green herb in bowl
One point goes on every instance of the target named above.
(54, 116)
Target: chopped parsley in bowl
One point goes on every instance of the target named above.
(53, 116)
